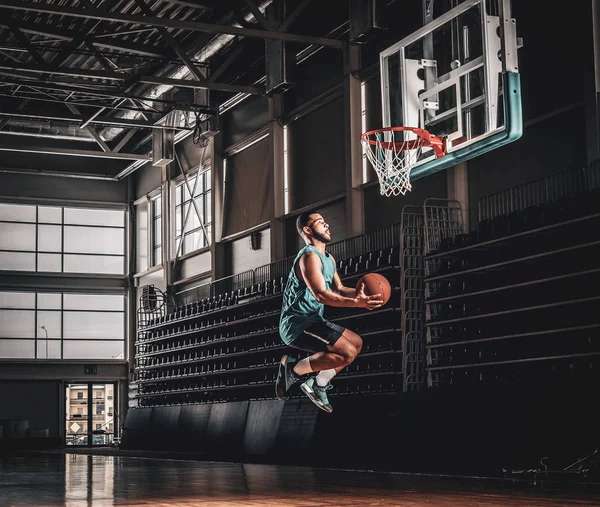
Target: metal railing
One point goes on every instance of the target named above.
(341, 250)
(534, 193)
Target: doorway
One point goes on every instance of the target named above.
(90, 413)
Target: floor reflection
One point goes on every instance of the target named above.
(79, 480)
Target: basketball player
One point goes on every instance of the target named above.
(313, 283)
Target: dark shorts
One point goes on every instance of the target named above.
(318, 336)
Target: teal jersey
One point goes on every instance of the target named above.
(300, 308)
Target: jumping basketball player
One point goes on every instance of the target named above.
(313, 283)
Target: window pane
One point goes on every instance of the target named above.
(207, 180)
(94, 240)
(157, 256)
(193, 241)
(178, 191)
(208, 233)
(200, 207)
(111, 302)
(178, 221)
(49, 262)
(52, 321)
(186, 193)
(93, 350)
(17, 261)
(17, 237)
(84, 216)
(98, 264)
(17, 300)
(192, 221)
(22, 349)
(49, 350)
(157, 206)
(94, 325)
(49, 215)
(17, 213)
(17, 323)
(157, 232)
(49, 301)
(208, 210)
(49, 238)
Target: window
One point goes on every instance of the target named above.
(193, 216)
(62, 240)
(62, 326)
(80, 411)
(99, 408)
(156, 231)
(80, 396)
(98, 426)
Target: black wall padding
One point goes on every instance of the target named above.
(136, 428)
(261, 426)
(164, 424)
(296, 428)
(316, 155)
(226, 425)
(193, 424)
(249, 188)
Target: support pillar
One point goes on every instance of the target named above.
(276, 133)
(217, 249)
(458, 190)
(355, 205)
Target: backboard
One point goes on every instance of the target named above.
(456, 77)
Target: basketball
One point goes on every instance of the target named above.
(376, 284)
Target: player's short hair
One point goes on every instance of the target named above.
(303, 220)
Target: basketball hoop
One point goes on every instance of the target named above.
(393, 155)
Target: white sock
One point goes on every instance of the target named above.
(303, 367)
(325, 376)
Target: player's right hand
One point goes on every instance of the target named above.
(369, 302)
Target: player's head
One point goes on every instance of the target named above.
(312, 226)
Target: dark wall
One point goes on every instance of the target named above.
(50, 187)
(36, 401)
(145, 180)
(381, 211)
(249, 116)
(546, 148)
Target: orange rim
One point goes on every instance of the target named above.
(426, 139)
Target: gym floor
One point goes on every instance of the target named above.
(82, 480)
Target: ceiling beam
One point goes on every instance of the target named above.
(98, 95)
(205, 84)
(45, 30)
(128, 135)
(92, 131)
(63, 10)
(79, 119)
(26, 43)
(173, 44)
(49, 150)
(258, 15)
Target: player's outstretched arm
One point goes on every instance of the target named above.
(310, 268)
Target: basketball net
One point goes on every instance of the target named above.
(393, 156)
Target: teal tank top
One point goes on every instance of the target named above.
(300, 308)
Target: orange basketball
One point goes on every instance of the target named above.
(376, 284)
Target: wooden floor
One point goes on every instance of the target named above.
(78, 480)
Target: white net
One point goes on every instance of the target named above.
(393, 156)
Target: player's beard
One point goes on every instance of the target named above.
(321, 237)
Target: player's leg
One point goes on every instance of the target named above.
(331, 346)
(340, 353)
